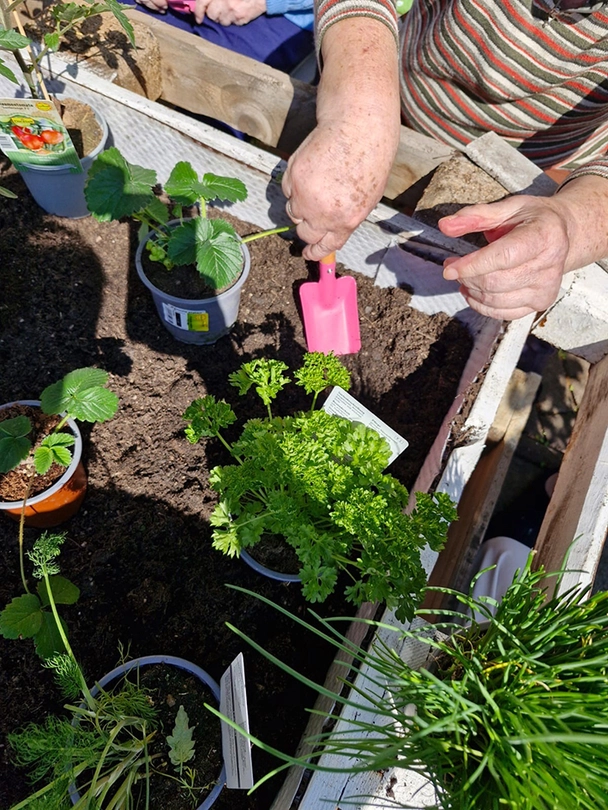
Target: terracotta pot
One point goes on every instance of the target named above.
(201, 321)
(60, 501)
(180, 663)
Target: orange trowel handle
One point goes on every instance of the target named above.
(327, 279)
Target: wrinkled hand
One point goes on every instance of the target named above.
(160, 6)
(520, 271)
(332, 182)
(229, 12)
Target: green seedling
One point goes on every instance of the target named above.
(30, 615)
(66, 16)
(80, 395)
(116, 188)
(317, 481)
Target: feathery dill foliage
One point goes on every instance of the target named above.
(317, 481)
(511, 711)
(101, 745)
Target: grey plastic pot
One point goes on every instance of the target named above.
(57, 189)
(172, 661)
(201, 321)
(267, 572)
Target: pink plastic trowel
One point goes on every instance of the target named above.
(329, 309)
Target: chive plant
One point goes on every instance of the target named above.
(510, 711)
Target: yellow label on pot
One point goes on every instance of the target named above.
(198, 321)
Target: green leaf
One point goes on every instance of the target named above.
(123, 20)
(182, 241)
(16, 427)
(81, 394)
(22, 617)
(6, 192)
(219, 260)
(64, 591)
(320, 371)
(52, 40)
(266, 374)
(183, 184)
(53, 448)
(11, 40)
(116, 188)
(207, 417)
(181, 744)
(8, 74)
(48, 640)
(227, 189)
(13, 450)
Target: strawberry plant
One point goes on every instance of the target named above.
(116, 188)
(317, 481)
(81, 395)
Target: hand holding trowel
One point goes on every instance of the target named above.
(329, 309)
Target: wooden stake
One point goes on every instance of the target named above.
(38, 74)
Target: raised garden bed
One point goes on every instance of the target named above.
(139, 549)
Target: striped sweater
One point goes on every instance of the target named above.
(533, 74)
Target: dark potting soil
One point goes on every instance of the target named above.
(139, 549)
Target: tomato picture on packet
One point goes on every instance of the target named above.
(31, 132)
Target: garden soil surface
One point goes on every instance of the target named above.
(140, 549)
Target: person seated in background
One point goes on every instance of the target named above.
(278, 33)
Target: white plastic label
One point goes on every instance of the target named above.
(236, 747)
(183, 319)
(340, 403)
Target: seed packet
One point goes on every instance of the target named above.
(32, 134)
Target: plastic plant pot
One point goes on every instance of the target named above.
(267, 572)
(180, 663)
(62, 500)
(57, 189)
(200, 321)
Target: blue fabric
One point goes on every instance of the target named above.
(274, 40)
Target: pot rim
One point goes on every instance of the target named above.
(70, 470)
(268, 572)
(181, 663)
(87, 159)
(183, 303)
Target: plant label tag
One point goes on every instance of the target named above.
(340, 403)
(236, 747)
(183, 319)
(32, 134)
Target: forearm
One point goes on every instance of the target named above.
(584, 201)
(359, 86)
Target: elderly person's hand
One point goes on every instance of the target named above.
(160, 6)
(339, 173)
(533, 242)
(229, 12)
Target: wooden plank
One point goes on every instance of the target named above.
(578, 509)
(265, 103)
(481, 493)
(333, 681)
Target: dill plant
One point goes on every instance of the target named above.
(100, 749)
(317, 481)
(510, 712)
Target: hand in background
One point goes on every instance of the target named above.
(228, 12)
(160, 6)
